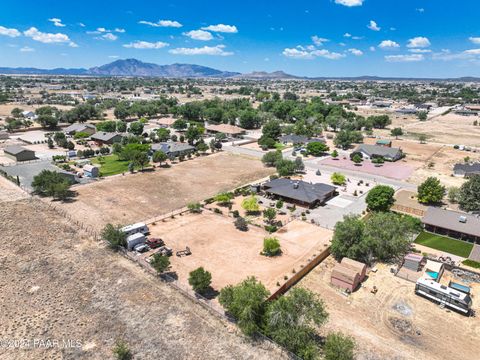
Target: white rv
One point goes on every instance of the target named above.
(134, 240)
(445, 295)
(135, 228)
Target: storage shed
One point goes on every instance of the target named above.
(413, 262)
(19, 153)
(345, 277)
(359, 267)
(91, 171)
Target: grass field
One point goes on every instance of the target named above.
(110, 165)
(471, 263)
(442, 243)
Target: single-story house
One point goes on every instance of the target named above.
(299, 139)
(406, 111)
(80, 128)
(165, 122)
(173, 149)
(300, 192)
(466, 170)
(375, 151)
(227, 129)
(19, 153)
(455, 224)
(106, 138)
(29, 115)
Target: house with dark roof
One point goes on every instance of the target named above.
(80, 128)
(300, 192)
(106, 138)
(299, 139)
(377, 151)
(454, 224)
(173, 149)
(466, 170)
(19, 153)
(227, 129)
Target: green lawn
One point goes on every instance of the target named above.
(443, 243)
(110, 165)
(471, 263)
(280, 146)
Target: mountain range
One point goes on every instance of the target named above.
(137, 68)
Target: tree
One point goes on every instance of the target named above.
(345, 138)
(163, 134)
(292, 320)
(266, 142)
(379, 121)
(272, 130)
(159, 157)
(17, 113)
(241, 224)
(271, 246)
(357, 158)
(249, 119)
(317, 148)
(136, 128)
(200, 280)
(50, 143)
(454, 194)
(202, 147)
(122, 351)
(285, 167)
(223, 199)
(380, 198)
(121, 126)
(334, 154)
(347, 238)
(272, 157)
(339, 347)
(115, 237)
(193, 133)
(160, 262)
(246, 302)
(338, 179)
(250, 205)
(106, 126)
(299, 165)
(47, 121)
(422, 115)
(179, 125)
(431, 191)
(469, 197)
(140, 159)
(396, 132)
(422, 138)
(52, 183)
(269, 214)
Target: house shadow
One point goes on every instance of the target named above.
(169, 276)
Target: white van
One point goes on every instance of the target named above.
(134, 240)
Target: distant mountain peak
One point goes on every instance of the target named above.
(264, 75)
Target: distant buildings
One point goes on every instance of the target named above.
(466, 170)
(102, 138)
(80, 128)
(173, 149)
(229, 130)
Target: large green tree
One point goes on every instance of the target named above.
(52, 183)
(339, 347)
(469, 196)
(114, 235)
(431, 191)
(200, 280)
(380, 198)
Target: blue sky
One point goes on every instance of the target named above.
(422, 38)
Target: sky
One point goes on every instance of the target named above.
(401, 38)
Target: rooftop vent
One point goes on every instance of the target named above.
(462, 219)
(295, 185)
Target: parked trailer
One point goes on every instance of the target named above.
(134, 240)
(136, 228)
(445, 295)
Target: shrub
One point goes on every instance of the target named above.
(338, 179)
(250, 205)
(271, 228)
(339, 347)
(115, 237)
(121, 351)
(279, 204)
(241, 224)
(271, 247)
(160, 262)
(194, 207)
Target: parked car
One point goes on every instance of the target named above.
(155, 243)
(141, 248)
(165, 251)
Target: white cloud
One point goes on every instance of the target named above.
(206, 50)
(356, 52)
(475, 40)
(373, 26)
(27, 49)
(199, 35)
(221, 28)
(113, 56)
(301, 53)
(48, 38)
(418, 42)
(372, 48)
(57, 22)
(81, 24)
(146, 45)
(9, 32)
(420, 10)
(162, 23)
(119, 30)
(405, 58)
(318, 40)
(472, 52)
(349, 3)
(347, 35)
(110, 37)
(388, 44)
(419, 51)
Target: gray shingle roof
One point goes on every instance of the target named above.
(376, 150)
(304, 192)
(467, 168)
(15, 149)
(78, 127)
(448, 219)
(172, 147)
(104, 136)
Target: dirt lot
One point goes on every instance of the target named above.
(232, 255)
(9, 191)
(132, 198)
(395, 323)
(58, 285)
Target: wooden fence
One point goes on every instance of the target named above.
(408, 210)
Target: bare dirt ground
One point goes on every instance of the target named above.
(232, 255)
(395, 323)
(57, 284)
(9, 191)
(132, 198)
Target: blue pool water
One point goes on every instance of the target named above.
(432, 274)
